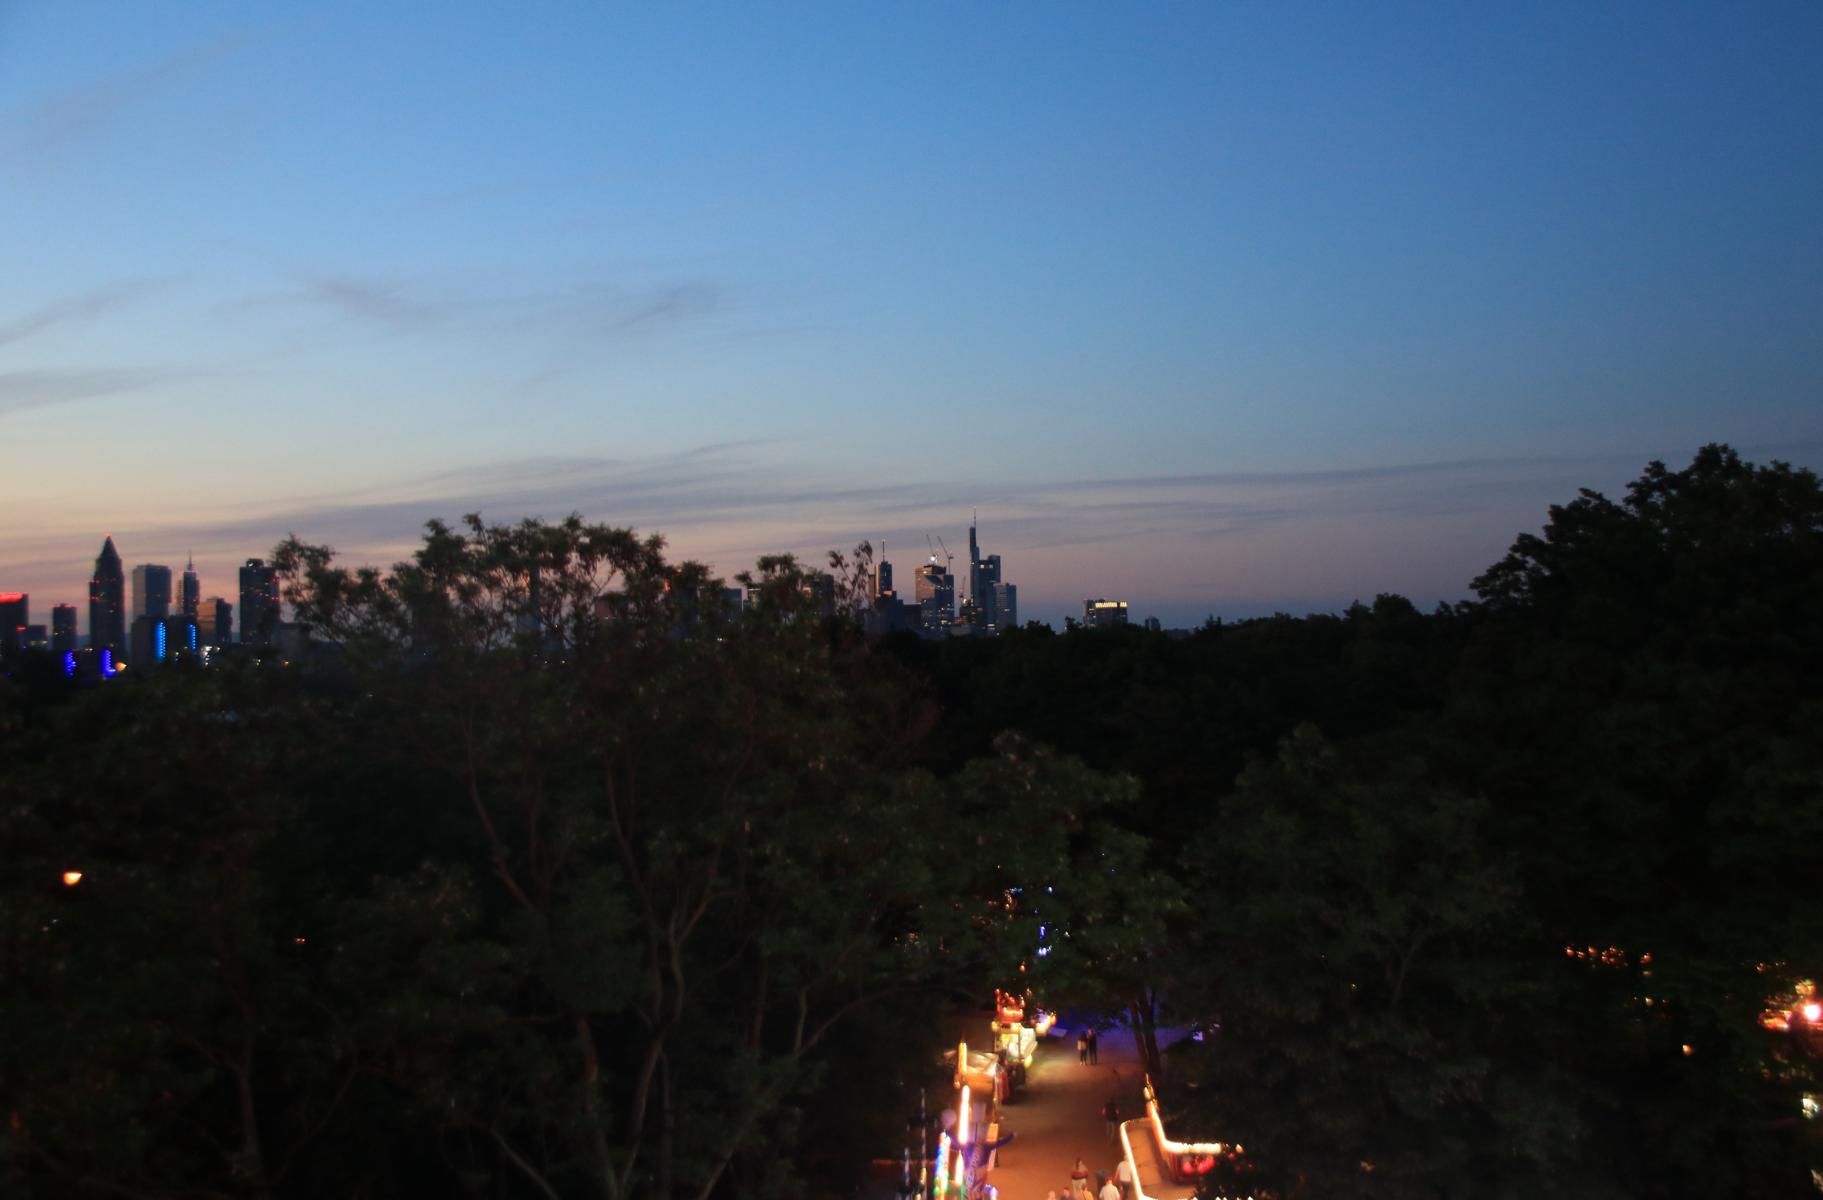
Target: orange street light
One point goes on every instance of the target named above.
(72, 878)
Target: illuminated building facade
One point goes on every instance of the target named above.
(158, 640)
(936, 592)
(259, 602)
(13, 607)
(1104, 614)
(108, 601)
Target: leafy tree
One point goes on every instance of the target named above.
(1640, 698)
(669, 800)
(1354, 970)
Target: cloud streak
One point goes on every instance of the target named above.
(1185, 545)
(24, 390)
(383, 304)
(40, 133)
(720, 495)
(82, 308)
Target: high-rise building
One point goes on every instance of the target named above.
(13, 609)
(259, 602)
(63, 628)
(983, 577)
(1006, 606)
(883, 576)
(936, 593)
(108, 601)
(1104, 614)
(974, 564)
(192, 595)
(151, 591)
(215, 622)
(158, 640)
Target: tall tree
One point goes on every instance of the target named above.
(703, 847)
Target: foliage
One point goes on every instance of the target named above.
(565, 878)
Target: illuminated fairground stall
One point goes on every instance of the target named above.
(1017, 1027)
(1165, 1168)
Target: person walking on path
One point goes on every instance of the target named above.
(1110, 1112)
(1094, 1047)
(1123, 1175)
(1109, 1190)
(1079, 1181)
(1082, 1048)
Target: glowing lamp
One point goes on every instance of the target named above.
(1813, 1012)
(962, 1119)
(72, 878)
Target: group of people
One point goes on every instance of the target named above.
(1088, 1047)
(1116, 1185)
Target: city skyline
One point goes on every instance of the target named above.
(1221, 310)
(1043, 537)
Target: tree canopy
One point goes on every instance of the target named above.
(562, 877)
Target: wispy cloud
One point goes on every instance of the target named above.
(565, 328)
(22, 390)
(40, 133)
(368, 300)
(675, 303)
(82, 308)
(716, 496)
(1272, 538)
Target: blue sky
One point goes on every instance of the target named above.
(1216, 308)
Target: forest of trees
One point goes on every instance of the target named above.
(551, 877)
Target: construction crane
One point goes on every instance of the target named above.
(948, 558)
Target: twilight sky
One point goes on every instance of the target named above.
(1217, 308)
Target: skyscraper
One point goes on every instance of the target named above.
(259, 602)
(215, 622)
(974, 565)
(1006, 606)
(63, 628)
(883, 575)
(108, 600)
(983, 578)
(1104, 614)
(151, 591)
(936, 592)
(13, 608)
(192, 595)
